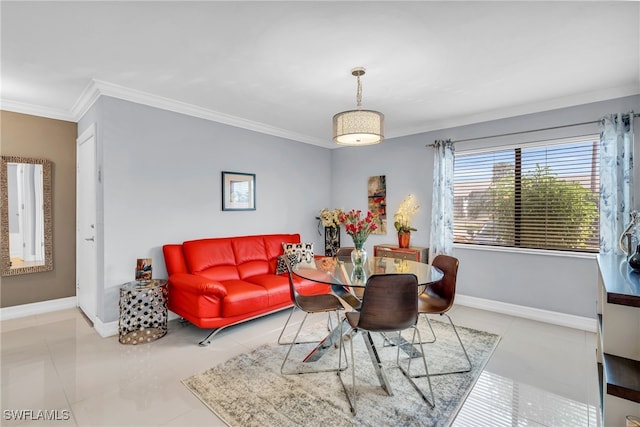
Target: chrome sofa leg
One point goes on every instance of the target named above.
(205, 342)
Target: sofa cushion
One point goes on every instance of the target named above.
(220, 273)
(308, 287)
(213, 257)
(277, 287)
(251, 256)
(243, 297)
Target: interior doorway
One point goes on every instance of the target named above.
(86, 232)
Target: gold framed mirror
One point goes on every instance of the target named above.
(25, 216)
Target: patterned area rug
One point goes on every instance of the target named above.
(249, 390)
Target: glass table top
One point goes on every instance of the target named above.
(341, 271)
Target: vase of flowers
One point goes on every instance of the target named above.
(359, 229)
(403, 217)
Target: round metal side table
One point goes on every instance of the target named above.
(143, 311)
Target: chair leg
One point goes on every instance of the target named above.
(294, 342)
(407, 373)
(426, 317)
(466, 355)
(280, 342)
(285, 327)
(351, 394)
(389, 342)
(463, 349)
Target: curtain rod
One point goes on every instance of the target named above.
(533, 130)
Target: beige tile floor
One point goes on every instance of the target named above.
(540, 374)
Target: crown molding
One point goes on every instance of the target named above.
(520, 110)
(85, 101)
(36, 110)
(97, 88)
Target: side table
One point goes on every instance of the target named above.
(414, 253)
(143, 311)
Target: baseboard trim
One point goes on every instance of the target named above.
(103, 329)
(553, 317)
(34, 308)
(106, 330)
(111, 328)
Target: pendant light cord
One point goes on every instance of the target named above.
(359, 94)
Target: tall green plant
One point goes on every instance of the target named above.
(563, 211)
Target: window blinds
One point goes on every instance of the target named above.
(540, 196)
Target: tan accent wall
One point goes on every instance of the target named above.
(54, 140)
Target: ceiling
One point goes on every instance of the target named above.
(284, 68)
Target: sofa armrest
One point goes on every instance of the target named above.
(198, 285)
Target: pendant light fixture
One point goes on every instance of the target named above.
(358, 127)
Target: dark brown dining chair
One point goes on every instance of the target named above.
(389, 304)
(321, 303)
(345, 251)
(438, 299)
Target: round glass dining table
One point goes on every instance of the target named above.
(349, 284)
(341, 271)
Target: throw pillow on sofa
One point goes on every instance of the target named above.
(301, 253)
(281, 267)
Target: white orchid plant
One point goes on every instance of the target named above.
(404, 215)
(329, 217)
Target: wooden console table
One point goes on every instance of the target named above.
(413, 253)
(618, 342)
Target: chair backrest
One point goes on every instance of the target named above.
(389, 303)
(446, 287)
(292, 287)
(345, 251)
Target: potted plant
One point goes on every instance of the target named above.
(402, 218)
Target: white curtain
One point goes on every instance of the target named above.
(441, 241)
(616, 179)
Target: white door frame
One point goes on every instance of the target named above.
(87, 284)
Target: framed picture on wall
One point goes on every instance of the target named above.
(377, 201)
(238, 191)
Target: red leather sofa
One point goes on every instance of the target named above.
(218, 282)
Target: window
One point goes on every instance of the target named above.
(539, 195)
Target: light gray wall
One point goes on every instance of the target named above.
(557, 283)
(161, 183)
